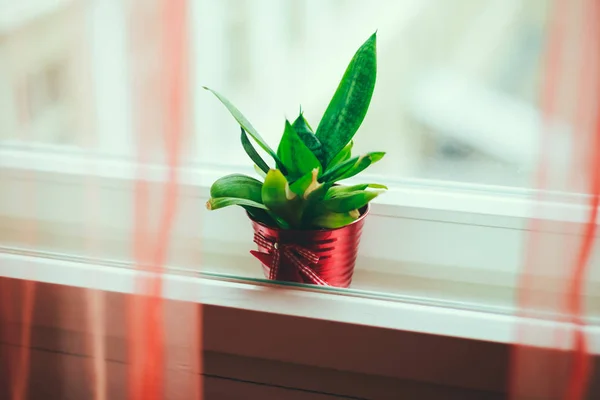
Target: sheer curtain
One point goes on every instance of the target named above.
(131, 346)
(551, 359)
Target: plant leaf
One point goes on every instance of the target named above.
(278, 221)
(254, 156)
(275, 189)
(306, 184)
(278, 197)
(351, 167)
(332, 220)
(261, 215)
(363, 163)
(214, 203)
(338, 190)
(313, 204)
(295, 155)
(350, 103)
(266, 217)
(308, 137)
(347, 202)
(237, 186)
(342, 156)
(244, 123)
(331, 174)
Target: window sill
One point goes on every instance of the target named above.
(291, 300)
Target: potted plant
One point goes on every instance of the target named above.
(308, 226)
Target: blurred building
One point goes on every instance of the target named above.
(40, 53)
(456, 96)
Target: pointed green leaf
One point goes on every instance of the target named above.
(342, 156)
(301, 124)
(238, 186)
(244, 123)
(363, 163)
(251, 151)
(266, 217)
(351, 167)
(278, 197)
(278, 221)
(318, 193)
(304, 185)
(275, 189)
(346, 202)
(308, 137)
(215, 203)
(332, 173)
(348, 107)
(337, 190)
(261, 215)
(295, 155)
(313, 204)
(246, 189)
(332, 220)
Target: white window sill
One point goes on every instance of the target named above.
(292, 301)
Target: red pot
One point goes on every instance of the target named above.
(323, 257)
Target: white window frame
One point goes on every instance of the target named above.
(436, 230)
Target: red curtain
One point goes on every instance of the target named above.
(159, 336)
(160, 104)
(550, 358)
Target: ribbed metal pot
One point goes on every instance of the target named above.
(336, 249)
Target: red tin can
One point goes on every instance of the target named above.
(323, 256)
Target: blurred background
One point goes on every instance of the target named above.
(456, 96)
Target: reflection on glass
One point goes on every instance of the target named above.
(457, 85)
(40, 53)
(456, 96)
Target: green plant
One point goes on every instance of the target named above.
(301, 192)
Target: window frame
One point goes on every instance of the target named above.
(427, 228)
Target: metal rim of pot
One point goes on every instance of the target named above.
(364, 211)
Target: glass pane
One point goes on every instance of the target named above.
(42, 53)
(457, 89)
